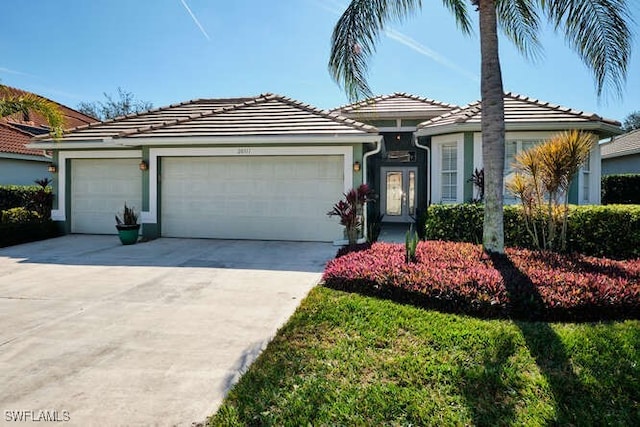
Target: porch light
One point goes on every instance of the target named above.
(52, 168)
(143, 165)
(356, 166)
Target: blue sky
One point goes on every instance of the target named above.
(167, 51)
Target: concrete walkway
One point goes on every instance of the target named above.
(150, 334)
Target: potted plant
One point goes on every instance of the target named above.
(128, 226)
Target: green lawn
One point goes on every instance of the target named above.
(345, 359)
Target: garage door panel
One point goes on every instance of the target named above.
(99, 189)
(271, 198)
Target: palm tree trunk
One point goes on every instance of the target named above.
(492, 128)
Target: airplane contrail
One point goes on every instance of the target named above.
(195, 19)
(429, 53)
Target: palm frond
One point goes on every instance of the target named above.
(11, 104)
(519, 21)
(459, 10)
(358, 30)
(354, 39)
(598, 30)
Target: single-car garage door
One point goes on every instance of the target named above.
(260, 197)
(99, 189)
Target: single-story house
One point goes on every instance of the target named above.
(621, 154)
(269, 167)
(266, 167)
(20, 165)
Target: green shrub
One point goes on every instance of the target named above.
(612, 231)
(15, 233)
(32, 197)
(15, 196)
(456, 223)
(19, 216)
(622, 189)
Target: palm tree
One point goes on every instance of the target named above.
(596, 29)
(22, 103)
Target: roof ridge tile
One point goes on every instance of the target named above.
(262, 98)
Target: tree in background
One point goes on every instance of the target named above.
(631, 122)
(23, 103)
(113, 107)
(596, 29)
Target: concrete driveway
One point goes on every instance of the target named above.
(151, 334)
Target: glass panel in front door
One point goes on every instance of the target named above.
(412, 193)
(394, 193)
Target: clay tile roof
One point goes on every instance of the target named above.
(266, 114)
(13, 140)
(72, 118)
(520, 110)
(398, 104)
(622, 145)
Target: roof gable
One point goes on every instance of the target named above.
(622, 145)
(396, 105)
(520, 111)
(266, 114)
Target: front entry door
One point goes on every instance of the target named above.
(399, 190)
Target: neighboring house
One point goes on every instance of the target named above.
(269, 167)
(20, 165)
(621, 154)
(265, 167)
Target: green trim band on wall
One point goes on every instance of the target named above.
(145, 180)
(573, 191)
(467, 170)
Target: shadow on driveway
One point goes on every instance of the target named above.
(99, 250)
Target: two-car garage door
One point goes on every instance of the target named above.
(261, 197)
(253, 197)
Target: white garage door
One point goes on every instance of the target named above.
(261, 197)
(99, 189)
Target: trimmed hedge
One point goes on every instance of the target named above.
(16, 233)
(612, 231)
(32, 197)
(19, 216)
(24, 214)
(523, 284)
(621, 189)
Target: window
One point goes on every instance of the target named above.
(449, 172)
(511, 150)
(586, 176)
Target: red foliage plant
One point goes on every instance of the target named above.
(460, 277)
(348, 209)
